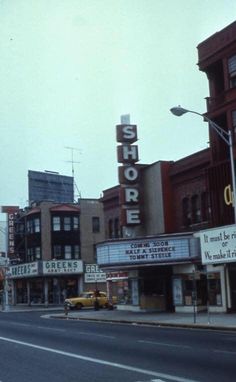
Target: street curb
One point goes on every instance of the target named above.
(149, 323)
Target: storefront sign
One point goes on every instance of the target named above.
(218, 245)
(24, 270)
(10, 211)
(147, 251)
(228, 195)
(114, 276)
(94, 274)
(62, 267)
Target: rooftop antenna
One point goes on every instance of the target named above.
(125, 119)
(72, 161)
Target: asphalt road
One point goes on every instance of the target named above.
(38, 349)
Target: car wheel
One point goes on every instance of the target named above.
(79, 306)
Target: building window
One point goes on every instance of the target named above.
(57, 252)
(76, 252)
(196, 212)
(205, 207)
(75, 223)
(36, 225)
(37, 253)
(33, 254)
(67, 252)
(95, 253)
(56, 223)
(234, 121)
(186, 212)
(33, 225)
(232, 71)
(29, 226)
(110, 229)
(116, 228)
(95, 224)
(67, 223)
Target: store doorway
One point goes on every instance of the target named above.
(155, 288)
(232, 283)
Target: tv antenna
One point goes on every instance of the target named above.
(72, 161)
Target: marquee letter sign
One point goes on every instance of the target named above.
(127, 154)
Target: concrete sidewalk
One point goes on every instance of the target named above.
(216, 321)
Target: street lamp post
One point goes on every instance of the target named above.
(227, 138)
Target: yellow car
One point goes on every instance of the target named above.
(88, 299)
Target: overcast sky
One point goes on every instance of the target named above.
(70, 68)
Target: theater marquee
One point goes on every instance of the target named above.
(147, 251)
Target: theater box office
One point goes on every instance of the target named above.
(45, 282)
(159, 271)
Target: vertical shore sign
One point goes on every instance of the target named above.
(128, 172)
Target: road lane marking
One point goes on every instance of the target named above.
(224, 351)
(39, 327)
(95, 335)
(164, 344)
(99, 361)
(51, 329)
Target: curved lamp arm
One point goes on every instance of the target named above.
(227, 138)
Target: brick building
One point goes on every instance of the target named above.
(53, 244)
(174, 206)
(217, 58)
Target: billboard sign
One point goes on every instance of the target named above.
(218, 245)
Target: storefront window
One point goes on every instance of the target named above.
(123, 292)
(214, 289)
(195, 290)
(36, 292)
(21, 295)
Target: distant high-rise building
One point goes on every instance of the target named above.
(50, 186)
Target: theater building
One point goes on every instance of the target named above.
(157, 264)
(180, 198)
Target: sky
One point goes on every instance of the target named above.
(70, 68)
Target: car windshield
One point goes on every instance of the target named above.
(85, 295)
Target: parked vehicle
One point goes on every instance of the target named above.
(94, 299)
